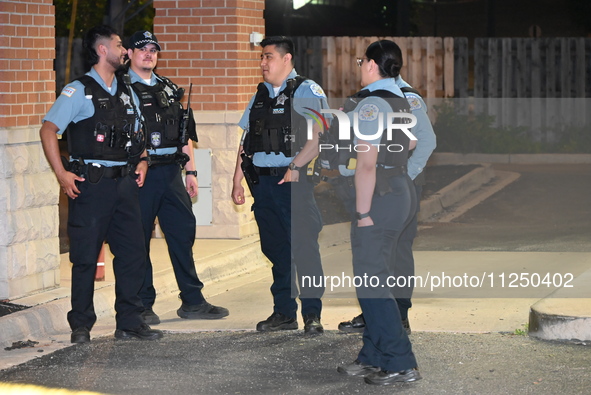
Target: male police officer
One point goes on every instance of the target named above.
(102, 187)
(403, 263)
(284, 205)
(163, 194)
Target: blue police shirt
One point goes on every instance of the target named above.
(309, 94)
(153, 81)
(73, 106)
(423, 131)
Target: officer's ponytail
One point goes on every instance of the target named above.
(388, 57)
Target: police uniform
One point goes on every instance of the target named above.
(98, 120)
(163, 194)
(403, 262)
(385, 343)
(287, 216)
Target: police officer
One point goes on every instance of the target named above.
(102, 184)
(402, 263)
(385, 202)
(275, 139)
(164, 195)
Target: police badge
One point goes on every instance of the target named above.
(155, 139)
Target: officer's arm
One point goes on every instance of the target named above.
(308, 152)
(191, 180)
(237, 188)
(365, 181)
(66, 179)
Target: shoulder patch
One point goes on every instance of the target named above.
(368, 112)
(317, 90)
(413, 100)
(68, 91)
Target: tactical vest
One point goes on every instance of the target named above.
(107, 135)
(162, 114)
(273, 126)
(342, 151)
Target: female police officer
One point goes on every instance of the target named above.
(385, 201)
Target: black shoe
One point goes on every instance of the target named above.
(150, 317)
(386, 377)
(203, 311)
(356, 325)
(406, 326)
(277, 322)
(80, 335)
(312, 325)
(357, 368)
(143, 332)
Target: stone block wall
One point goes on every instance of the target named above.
(206, 42)
(29, 248)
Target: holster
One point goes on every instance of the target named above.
(250, 174)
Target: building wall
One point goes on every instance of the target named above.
(206, 42)
(29, 248)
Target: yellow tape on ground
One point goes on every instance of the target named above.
(27, 389)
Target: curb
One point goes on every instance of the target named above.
(564, 315)
(449, 158)
(49, 318)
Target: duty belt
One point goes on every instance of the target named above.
(156, 160)
(271, 171)
(392, 172)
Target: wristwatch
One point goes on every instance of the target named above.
(191, 173)
(361, 216)
(292, 166)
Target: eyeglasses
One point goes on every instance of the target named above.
(360, 61)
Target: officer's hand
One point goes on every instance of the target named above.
(191, 185)
(141, 170)
(238, 194)
(67, 181)
(290, 176)
(367, 221)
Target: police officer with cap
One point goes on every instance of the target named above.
(102, 181)
(275, 140)
(164, 195)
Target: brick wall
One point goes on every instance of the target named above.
(29, 251)
(206, 42)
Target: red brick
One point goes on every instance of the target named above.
(203, 11)
(214, 106)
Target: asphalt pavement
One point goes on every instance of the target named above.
(467, 339)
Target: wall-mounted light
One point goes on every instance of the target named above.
(256, 38)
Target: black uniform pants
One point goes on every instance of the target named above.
(164, 196)
(106, 210)
(403, 263)
(385, 342)
(289, 223)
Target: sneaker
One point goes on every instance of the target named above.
(203, 311)
(143, 332)
(357, 368)
(150, 317)
(277, 322)
(385, 377)
(312, 325)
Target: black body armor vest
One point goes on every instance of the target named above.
(162, 114)
(386, 156)
(107, 135)
(273, 126)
